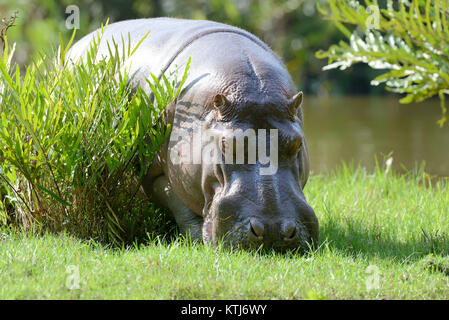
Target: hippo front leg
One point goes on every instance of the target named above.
(189, 223)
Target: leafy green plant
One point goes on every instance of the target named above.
(76, 139)
(408, 38)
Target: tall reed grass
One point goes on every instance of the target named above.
(75, 141)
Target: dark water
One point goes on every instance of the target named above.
(358, 128)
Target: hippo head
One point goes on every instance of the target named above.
(253, 186)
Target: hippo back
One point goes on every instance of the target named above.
(167, 39)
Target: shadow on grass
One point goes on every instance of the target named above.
(355, 239)
(351, 238)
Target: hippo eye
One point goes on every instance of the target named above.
(225, 145)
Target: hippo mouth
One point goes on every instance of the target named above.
(251, 234)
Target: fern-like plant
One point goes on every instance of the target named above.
(408, 38)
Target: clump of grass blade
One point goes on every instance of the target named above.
(75, 141)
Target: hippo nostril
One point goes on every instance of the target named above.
(289, 231)
(256, 227)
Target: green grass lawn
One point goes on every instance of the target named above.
(381, 236)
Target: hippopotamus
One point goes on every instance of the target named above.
(237, 89)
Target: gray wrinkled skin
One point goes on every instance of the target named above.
(235, 81)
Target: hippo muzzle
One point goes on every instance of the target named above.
(249, 212)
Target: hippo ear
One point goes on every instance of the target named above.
(295, 103)
(220, 101)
